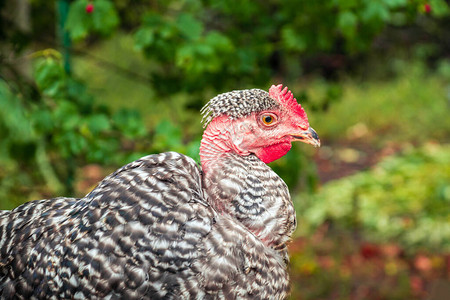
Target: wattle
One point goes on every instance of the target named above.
(273, 152)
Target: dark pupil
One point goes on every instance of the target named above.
(268, 119)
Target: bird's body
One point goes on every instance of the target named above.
(159, 228)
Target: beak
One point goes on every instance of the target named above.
(308, 136)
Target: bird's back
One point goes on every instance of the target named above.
(145, 232)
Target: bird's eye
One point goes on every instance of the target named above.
(268, 119)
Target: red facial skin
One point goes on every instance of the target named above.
(249, 135)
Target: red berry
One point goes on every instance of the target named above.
(89, 8)
(427, 8)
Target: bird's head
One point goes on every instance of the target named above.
(255, 122)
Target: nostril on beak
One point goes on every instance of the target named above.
(314, 134)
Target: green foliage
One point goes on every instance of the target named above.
(13, 117)
(50, 77)
(167, 136)
(76, 123)
(62, 127)
(129, 123)
(223, 44)
(17, 139)
(405, 199)
(187, 53)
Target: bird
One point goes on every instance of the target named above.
(165, 227)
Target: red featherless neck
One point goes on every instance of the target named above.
(223, 135)
(216, 141)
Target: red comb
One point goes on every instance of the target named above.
(287, 100)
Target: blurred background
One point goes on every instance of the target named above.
(87, 86)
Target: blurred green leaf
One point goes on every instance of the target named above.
(189, 26)
(185, 56)
(347, 23)
(395, 3)
(129, 122)
(292, 40)
(42, 120)
(439, 8)
(220, 42)
(70, 143)
(144, 37)
(104, 17)
(346, 4)
(167, 136)
(64, 110)
(78, 21)
(98, 123)
(50, 76)
(13, 116)
(375, 12)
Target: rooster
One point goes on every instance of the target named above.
(162, 227)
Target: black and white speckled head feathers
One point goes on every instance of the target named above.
(237, 104)
(241, 103)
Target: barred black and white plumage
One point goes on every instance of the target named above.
(163, 227)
